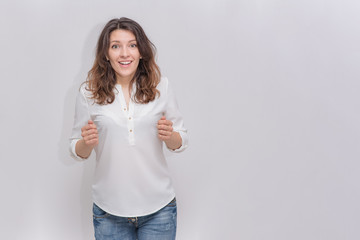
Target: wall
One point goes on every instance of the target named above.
(269, 90)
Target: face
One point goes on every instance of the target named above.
(123, 54)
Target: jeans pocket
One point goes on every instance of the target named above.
(98, 212)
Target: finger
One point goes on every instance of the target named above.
(165, 127)
(163, 138)
(92, 131)
(89, 132)
(162, 119)
(90, 138)
(88, 127)
(94, 142)
(92, 125)
(91, 135)
(165, 122)
(165, 133)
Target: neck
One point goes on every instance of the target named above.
(124, 84)
(123, 81)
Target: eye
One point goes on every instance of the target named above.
(133, 45)
(115, 46)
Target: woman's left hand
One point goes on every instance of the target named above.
(165, 129)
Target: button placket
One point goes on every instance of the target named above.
(131, 123)
(128, 113)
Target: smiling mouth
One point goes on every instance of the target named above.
(125, 63)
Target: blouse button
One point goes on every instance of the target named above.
(129, 118)
(130, 130)
(124, 109)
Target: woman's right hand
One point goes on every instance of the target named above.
(90, 134)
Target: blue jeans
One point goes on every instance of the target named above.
(160, 225)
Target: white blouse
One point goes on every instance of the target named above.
(131, 175)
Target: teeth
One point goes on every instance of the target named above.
(125, 63)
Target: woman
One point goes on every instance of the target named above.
(125, 111)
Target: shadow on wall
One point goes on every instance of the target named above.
(84, 196)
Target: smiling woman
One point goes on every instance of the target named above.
(125, 111)
(121, 41)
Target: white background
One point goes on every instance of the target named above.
(269, 90)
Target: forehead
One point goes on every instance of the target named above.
(122, 35)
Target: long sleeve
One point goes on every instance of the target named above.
(80, 119)
(173, 114)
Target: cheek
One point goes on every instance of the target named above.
(136, 64)
(113, 65)
(113, 54)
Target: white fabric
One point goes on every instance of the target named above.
(131, 176)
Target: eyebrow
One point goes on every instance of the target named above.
(120, 42)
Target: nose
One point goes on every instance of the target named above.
(124, 52)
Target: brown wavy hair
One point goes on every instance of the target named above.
(101, 78)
